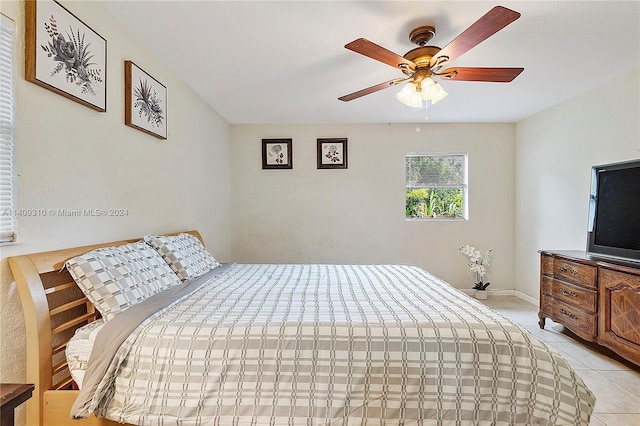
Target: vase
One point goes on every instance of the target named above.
(481, 294)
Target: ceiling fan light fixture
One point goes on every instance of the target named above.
(432, 91)
(409, 96)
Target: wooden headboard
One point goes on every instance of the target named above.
(53, 307)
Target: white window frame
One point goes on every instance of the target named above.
(464, 186)
(8, 223)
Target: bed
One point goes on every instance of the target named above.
(289, 344)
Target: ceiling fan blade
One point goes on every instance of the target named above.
(498, 75)
(372, 89)
(492, 22)
(379, 53)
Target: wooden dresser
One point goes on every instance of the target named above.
(597, 299)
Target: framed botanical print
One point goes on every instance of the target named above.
(64, 55)
(277, 154)
(145, 101)
(332, 153)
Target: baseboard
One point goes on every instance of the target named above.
(526, 297)
(517, 293)
(490, 293)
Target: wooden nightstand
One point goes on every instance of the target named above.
(12, 395)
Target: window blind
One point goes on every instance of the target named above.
(7, 130)
(437, 171)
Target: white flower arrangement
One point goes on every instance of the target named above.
(478, 263)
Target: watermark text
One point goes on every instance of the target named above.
(64, 212)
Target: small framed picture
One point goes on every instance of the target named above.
(64, 55)
(332, 153)
(145, 101)
(277, 154)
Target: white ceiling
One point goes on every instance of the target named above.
(285, 61)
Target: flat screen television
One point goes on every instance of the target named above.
(614, 211)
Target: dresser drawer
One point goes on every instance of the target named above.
(575, 296)
(576, 273)
(575, 319)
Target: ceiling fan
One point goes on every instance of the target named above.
(425, 62)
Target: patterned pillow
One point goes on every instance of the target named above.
(115, 278)
(184, 253)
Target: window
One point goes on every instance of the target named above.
(436, 186)
(7, 175)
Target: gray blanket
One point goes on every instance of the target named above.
(326, 344)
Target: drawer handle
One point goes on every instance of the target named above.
(574, 271)
(568, 293)
(569, 314)
(563, 269)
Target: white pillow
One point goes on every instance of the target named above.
(115, 278)
(184, 253)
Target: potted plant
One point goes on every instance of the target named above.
(478, 263)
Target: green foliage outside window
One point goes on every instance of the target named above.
(435, 186)
(434, 202)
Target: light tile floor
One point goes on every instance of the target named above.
(614, 381)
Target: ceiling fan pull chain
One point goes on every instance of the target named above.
(427, 105)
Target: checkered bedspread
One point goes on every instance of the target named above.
(334, 344)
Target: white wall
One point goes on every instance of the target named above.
(72, 157)
(357, 215)
(554, 154)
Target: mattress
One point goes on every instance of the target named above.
(325, 344)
